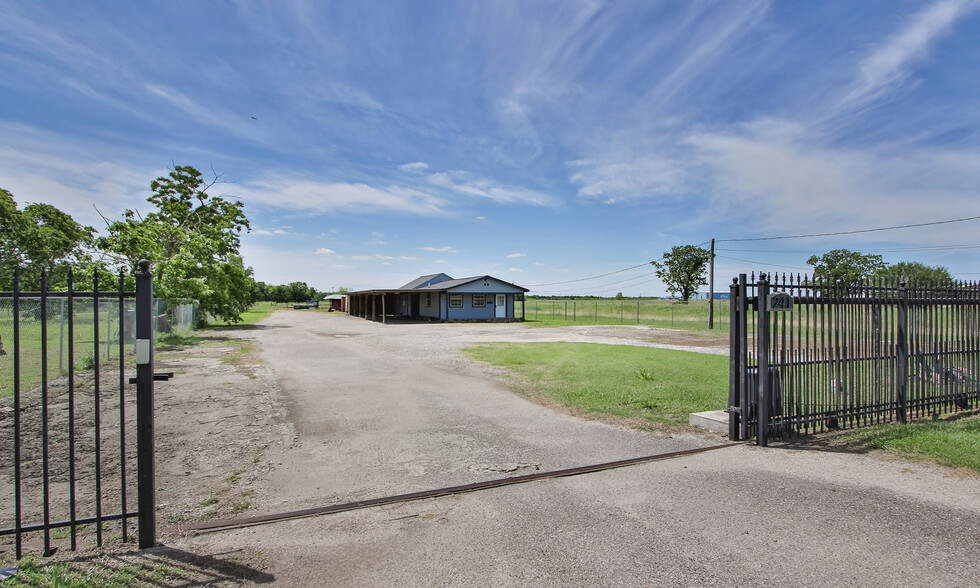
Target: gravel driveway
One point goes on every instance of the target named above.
(375, 410)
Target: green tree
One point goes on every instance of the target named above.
(260, 291)
(842, 267)
(300, 292)
(914, 273)
(40, 236)
(192, 240)
(683, 269)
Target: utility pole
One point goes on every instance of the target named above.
(711, 286)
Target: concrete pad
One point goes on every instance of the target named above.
(715, 421)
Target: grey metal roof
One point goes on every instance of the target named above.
(421, 282)
(450, 284)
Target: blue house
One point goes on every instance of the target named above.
(439, 297)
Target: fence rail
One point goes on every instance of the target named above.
(809, 356)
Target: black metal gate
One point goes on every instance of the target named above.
(810, 356)
(69, 441)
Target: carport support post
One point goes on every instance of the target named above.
(146, 488)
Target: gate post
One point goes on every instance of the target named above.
(735, 406)
(144, 407)
(762, 408)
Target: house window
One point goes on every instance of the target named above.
(479, 300)
(428, 299)
(455, 301)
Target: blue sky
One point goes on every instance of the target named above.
(549, 144)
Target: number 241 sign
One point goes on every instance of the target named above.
(780, 302)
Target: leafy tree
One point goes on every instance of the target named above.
(842, 267)
(40, 236)
(192, 240)
(300, 292)
(914, 273)
(683, 269)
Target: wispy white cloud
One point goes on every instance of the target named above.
(516, 255)
(41, 166)
(272, 232)
(324, 251)
(890, 63)
(706, 37)
(463, 183)
(417, 167)
(443, 249)
(340, 197)
(615, 181)
(779, 176)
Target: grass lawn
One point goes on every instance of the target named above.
(255, 313)
(952, 443)
(659, 385)
(669, 314)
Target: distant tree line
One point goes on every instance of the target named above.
(291, 292)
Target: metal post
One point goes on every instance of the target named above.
(743, 354)
(144, 406)
(18, 509)
(902, 356)
(96, 375)
(711, 286)
(71, 405)
(762, 409)
(734, 406)
(45, 463)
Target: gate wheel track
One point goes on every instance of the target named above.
(498, 483)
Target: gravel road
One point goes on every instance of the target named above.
(374, 410)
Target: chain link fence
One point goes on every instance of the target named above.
(83, 334)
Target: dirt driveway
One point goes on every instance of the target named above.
(330, 409)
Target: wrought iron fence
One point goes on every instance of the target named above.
(810, 356)
(68, 439)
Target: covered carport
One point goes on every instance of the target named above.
(375, 304)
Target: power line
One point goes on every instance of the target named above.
(943, 222)
(763, 263)
(598, 287)
(884, 250)
(591, 277)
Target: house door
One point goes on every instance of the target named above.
(500, 307)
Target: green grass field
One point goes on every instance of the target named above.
(658, 385)
(669, 314)
(60, 355)
(69, 341)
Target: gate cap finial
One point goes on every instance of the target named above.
(144, 265)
